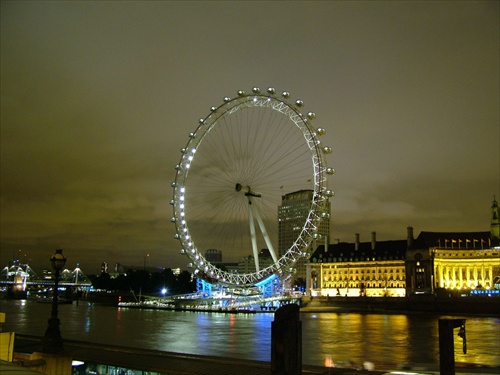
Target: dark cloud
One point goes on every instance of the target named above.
(98, 98)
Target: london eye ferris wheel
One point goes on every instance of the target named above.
(233, 173)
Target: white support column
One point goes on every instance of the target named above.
(264, 233)
(253, 236)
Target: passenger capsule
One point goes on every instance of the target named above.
(227, 99)
(329, 193)
(271, 91)
(311, 115)
(299, 103)
(285, 94)
(321, 131)
(241, 93)
(330, 170)
(256, 90)
(327, 150)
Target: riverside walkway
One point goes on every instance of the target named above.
(166, 363)
(169, 363)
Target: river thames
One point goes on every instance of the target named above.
(341, 337)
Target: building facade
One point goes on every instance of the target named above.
(292, 213)
(432, 263)
(453, 261)
(213, 255)
(247, 264)
(372, 269)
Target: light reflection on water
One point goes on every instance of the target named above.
(361, 337)
(393, 339)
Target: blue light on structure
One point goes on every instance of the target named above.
(265, 281)
(204, 287)
(266, 285)
(485, 292)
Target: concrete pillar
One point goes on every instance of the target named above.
(441, 277)
(286, 341)
(461, 270)
(446, 345)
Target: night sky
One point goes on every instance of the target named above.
(98, 98)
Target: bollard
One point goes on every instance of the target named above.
(286, 341)
(446, 345)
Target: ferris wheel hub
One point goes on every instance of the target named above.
(248, 192)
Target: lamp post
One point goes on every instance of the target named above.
(52, 341)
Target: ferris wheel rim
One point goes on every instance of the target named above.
(321, 193)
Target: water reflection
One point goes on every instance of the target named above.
(479, 332)
(356, 337)
(394, 339)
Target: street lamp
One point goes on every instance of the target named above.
(52, 341)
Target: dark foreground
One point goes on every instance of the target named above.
(166, 362)
(169, 363)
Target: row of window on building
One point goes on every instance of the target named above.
(421, 266)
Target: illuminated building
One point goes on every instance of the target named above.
(292, 214)
(371, 269)
(434, 262)
(453, 261)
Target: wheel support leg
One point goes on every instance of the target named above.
(253, 236)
